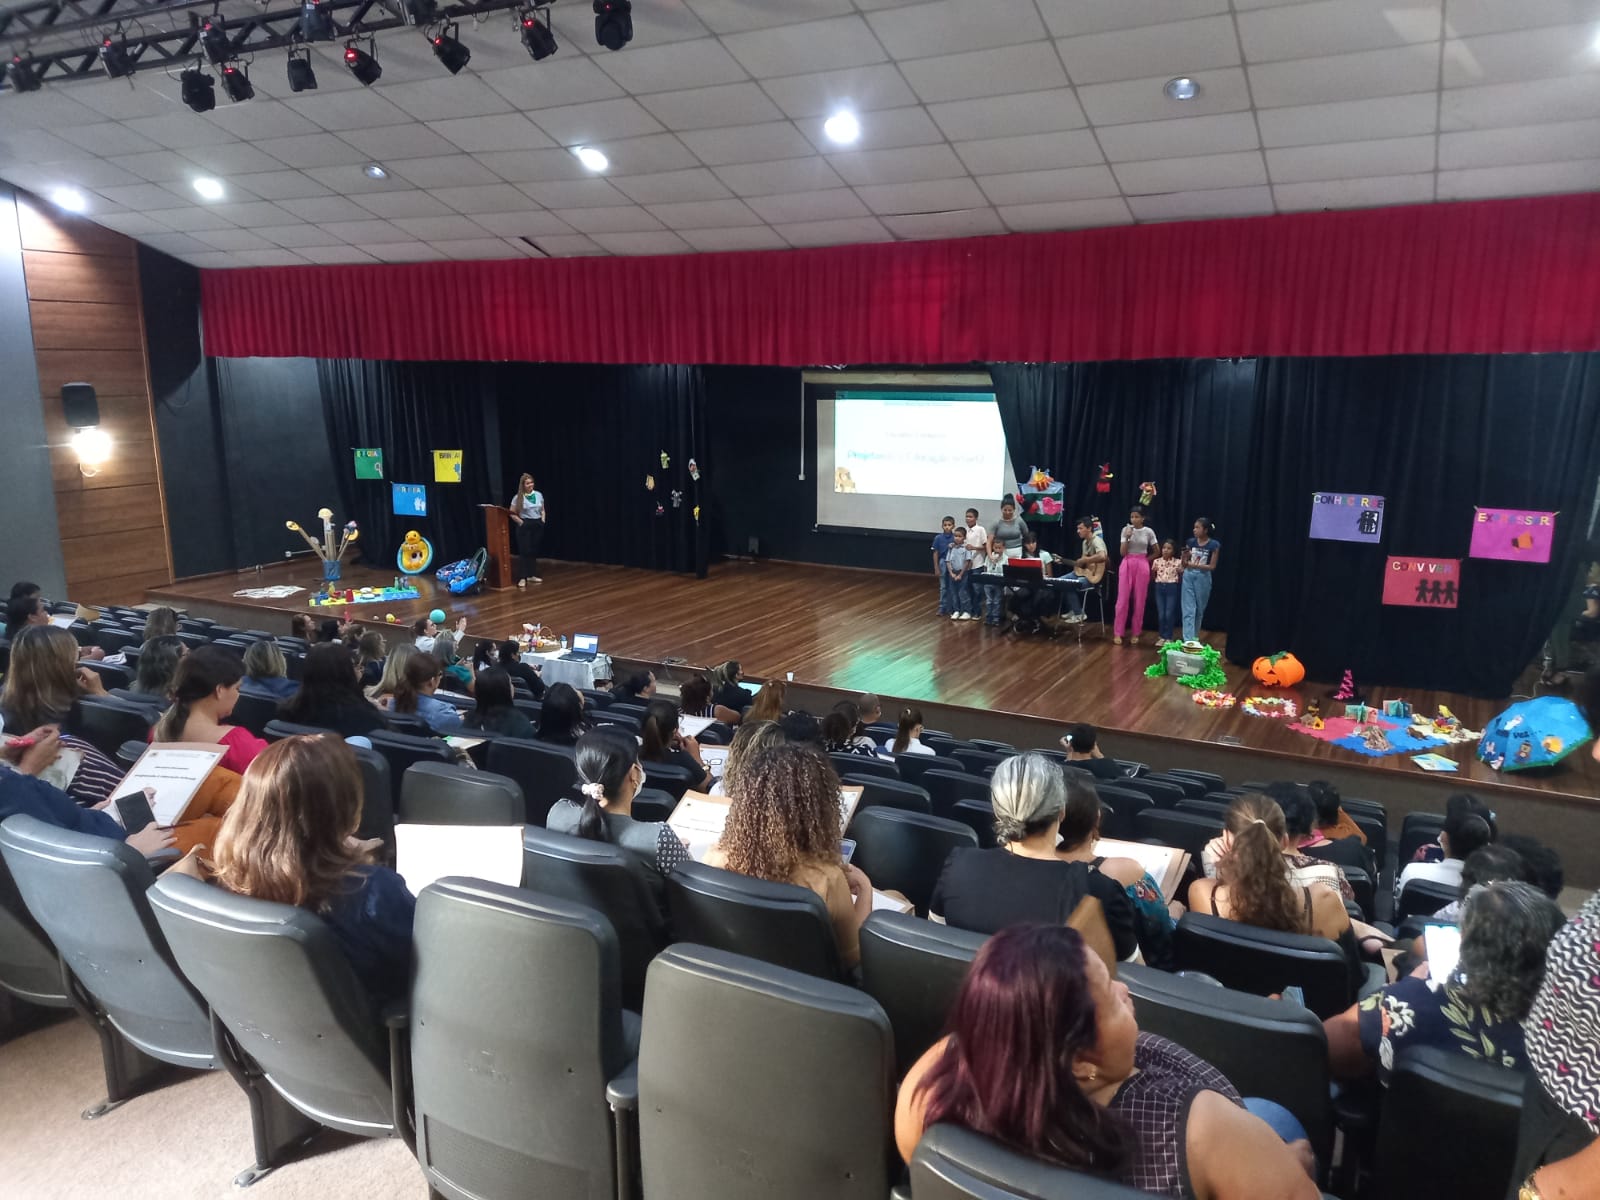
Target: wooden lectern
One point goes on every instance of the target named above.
(497, 540)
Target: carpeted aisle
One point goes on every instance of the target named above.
(185, 1141)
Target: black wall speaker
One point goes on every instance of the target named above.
(80, 406)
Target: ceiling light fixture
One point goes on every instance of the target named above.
(447, 48)
(363, 66)
(613, 23)
(237, 83)
(24, 75)
(1181, 88)
(93, 448)
(209, 188)
(592, 158)
(302, 78)
(214, 41)
(539, 40)
(199, 90)
(374, 171)
(316, 22)
(70, 199)
(842, 127)
(115, 58)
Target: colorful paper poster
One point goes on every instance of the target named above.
(369, 464)
(1346, 517)
(1422, 582)
(1513, 534)
(410, 500)
(447, 466)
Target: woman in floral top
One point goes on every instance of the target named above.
(1477, 1010)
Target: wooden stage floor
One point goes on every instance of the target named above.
(871, 631)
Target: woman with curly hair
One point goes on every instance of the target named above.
(783, 826)
(753, 737)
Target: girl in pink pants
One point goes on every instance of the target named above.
(1133, 581)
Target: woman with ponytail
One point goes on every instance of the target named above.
(611, 775)
(204, 691)
(663, 743)
(726, 692)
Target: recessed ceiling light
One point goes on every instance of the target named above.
(209, 188)
(595, 160)
(374, 171)
(1181, 88)
(70, 199)
(842, 127)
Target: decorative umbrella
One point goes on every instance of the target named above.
(1533, 733)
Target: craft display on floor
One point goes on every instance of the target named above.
(1364, 730)
(1212, 698)
(1278, 670)
(328, 550)
(1279, 708)
(1437, 762)
(1191, 664)
(1533, 733)
(415, 553)
(1444, 725)
(366, 595)
(1347, 688)
(1512, 534)
(278, 591)
(1410, 582)
(1346, 517)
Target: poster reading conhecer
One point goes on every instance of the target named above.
(1346, 517)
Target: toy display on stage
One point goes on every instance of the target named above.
(415, 553)
(326, 550)
(366, 595)
(1534, 733)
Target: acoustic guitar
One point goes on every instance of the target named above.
(1094, 573)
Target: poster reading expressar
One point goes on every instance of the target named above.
(1422, 582)
(1512, 534)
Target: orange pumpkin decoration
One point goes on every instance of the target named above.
(1278, 670)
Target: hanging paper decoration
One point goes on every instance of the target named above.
(1147, 493)
(697, 513)
(1041, 496)
(1512, 534)
(649, 483)
(659, 510)
(1422, 582)
(694, 470)
(666, 461)
(1103, 484)
(369, 463)
(1346, 517)
(447, 466)
(677, 499)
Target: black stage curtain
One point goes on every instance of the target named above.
(1435, 436)
(1182, 424)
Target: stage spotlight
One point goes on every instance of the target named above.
(236, 83)
(301, 77)
(540, 40)
(214, 41)
(70, 199)
(362, 65)
(199, 90)
(613, 23)
(24, 75)
(316, 22)
(447, 48)
(116, 59)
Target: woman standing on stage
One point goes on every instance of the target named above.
(1200, 554)
(527, 510)
(1138, 547)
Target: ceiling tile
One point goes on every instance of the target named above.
(1525, 54)
(905, 165)
(433, 229)
(313, 150)
(446, 99)
(554, 81)
(1527, 179)
(270, 257)
(1333, 26)
(1466, 17)
(747, 143)
(1217, 202)
(1066, 214)
(411, 202)
(365, 233)
(158, 166)
(568, 246)
(445, 170)
(107, 137)
(790, 175)
(282, 185)
(259, 119)
(880, 130)
(131, 223)
(1009, 116)
(672, 67)
(1351, 160)
(1038, 151)
(595, 123)
(190, 218)
(788, 207)
(52, 108)
(232, 239)
(575, 193)
(94, 173)
(107, 97)
(1068, 18)
(642, 243)
(1031, 68)
(400, 252)
(37, 146)
(1508, 104)
(813, 46)
(1354, 193)
(707, 214)
(338, 111)
(649, 155)
(1349, 120)
(325, 208)
(233, 158)
(522, 166)
(1038, 187)
(708, 107)
(971, 222)
(144, 196)
(212, 260)
(860, 89)
(735, 16)
(174, 243)
(934, 196)
(1554, 142)
(476, 248)
(623, 218)
(298, 235)
(948, 26)
(1189, 135)
(388, 142)
(488, 198)
(533, 223)
(502, 131)
(334, 254)
(352, 179)
(835, 233)
(1188, 173)
(1183, 47)
(1221, 91)
(749, 237)
(1356, 76)
(252, 214)
(670, 187)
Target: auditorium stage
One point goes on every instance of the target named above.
(868, 630)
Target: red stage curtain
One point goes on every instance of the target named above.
(1487, 277)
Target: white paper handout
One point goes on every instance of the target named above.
(1165, 864)
(425, 853)
(173, 771)
(698, 821)
(715, 759)
(693, 726)
(882, 902)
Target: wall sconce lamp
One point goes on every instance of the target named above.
(91, 443)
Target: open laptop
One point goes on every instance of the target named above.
(585, 646)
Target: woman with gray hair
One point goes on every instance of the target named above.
(1025, 880)
(1475, 1008)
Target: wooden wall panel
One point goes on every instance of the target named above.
(88, 326)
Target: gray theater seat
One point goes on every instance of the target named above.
(778, 923)
(914, 968)
(1449, 1127)
(436, 793)
(905, 851)
(546, 773)
(952, 1163)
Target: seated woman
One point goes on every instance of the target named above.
(1302, 868)
(1044, 1055)
(1313, 859)
(394, 670)
(160, 622)
(303, 627)
(771, 702)
(1333, 822)
(1460, 805)
(1465, 830)
(908, 735)
(203, 694)
(24, 758)
(608, 764)
(561, 720)
(511, 663)
(843, 732)
(783, 826)
(752, 738)
(415, 694)
(495, 711)
(266, 672)
(158, 665)
(1080, 830)
(42, 687)
(291, 839)
(634, 689)
(1025, 879)
(1478, 1011)
(664, 742)
(694, 697)
(726, 692)
(370, 649)
(330, 695)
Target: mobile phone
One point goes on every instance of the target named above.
(134, 809)
(1443, 943)
(1295, 993)
(847, 848)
